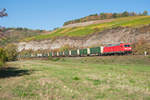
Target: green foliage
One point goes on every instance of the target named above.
(11, 52)
(53, 59)
(125, 14)
(76, 78)
(1, 64)
(2, 57)
(114, 15)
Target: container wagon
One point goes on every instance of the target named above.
(121, 49)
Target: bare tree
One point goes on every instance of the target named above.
(3, 13)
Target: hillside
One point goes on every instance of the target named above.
(129, 29)
(82, 31)
(11, 35)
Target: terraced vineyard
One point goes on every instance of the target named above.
(81, 31)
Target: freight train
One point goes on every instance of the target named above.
(115, 49)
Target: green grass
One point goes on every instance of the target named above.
(135, 21)
(79, 78)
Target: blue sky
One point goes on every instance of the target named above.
(48, 14)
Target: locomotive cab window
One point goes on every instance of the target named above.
(126, 45)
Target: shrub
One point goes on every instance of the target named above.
(65, 47)
(140, 47)
(1, 64)
(53, 59)
(2, 57)
(11, 52)
(76, 78)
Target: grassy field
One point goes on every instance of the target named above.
(135, 21)
(85, 78)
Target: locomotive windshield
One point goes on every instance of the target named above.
(126, 45)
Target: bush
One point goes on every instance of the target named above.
(11, 52)
(140, 47)
(2, 57)
(53, 59)
(1, 64)
(76, 78)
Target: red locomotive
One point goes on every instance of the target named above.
(122, 48)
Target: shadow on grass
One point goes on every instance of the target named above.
(13, 72)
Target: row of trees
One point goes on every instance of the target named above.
(102, 16)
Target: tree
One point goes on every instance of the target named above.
(145, 13)
(2, 51)
(11, 52)
(3, 13)
(125, 14)
(114, 15)
(103, 15)
(132, 14)
(2, 57)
